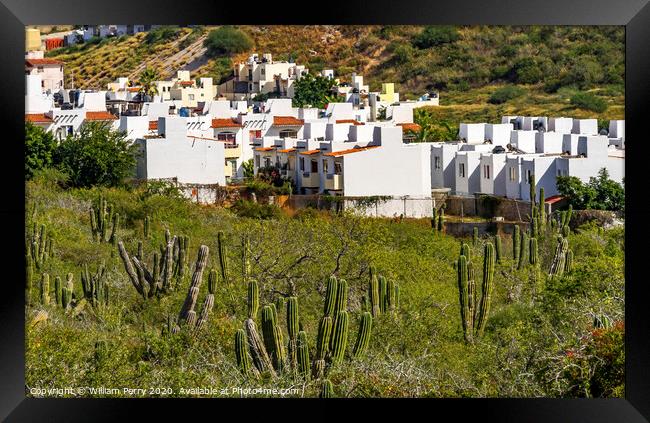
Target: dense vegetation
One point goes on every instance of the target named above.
(467, 64)
(227, 40)
(600, 193)
(562, 341)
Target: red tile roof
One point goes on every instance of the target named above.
(153, 125)
(186, 83)
(225, 123)
(410, 127)
(352, 121)
(351, 150)
(310, 152)
(37, 118)
(41, 62)
(287, 121)
(100, 116)
(287, 150)
(264, 149)
(553, 199)
(133, 89)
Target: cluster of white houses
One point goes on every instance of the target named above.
(201, 133)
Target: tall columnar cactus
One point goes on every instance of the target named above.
(441, 220)
(303, 355)
(39, 246)
(187, 311)
(101, 216)
(330, 296)
(566, 231)
(273, 337)
(373, 295)
(391, 296)
(542, 211)
(147, 227)
(66, 292)
(208, 303)
(486, 289)
(568, 262)
(497, 248)
(558, 263)
(57, 290)
(339, 338)
(341, 296)
(45, 289)
(323, 340)
(29, 276)
(461, 271)
(534, 222)
(475, 236)
(147, 282)
(533, 251)
(363, 338)
(253, 299)
(515, 243)
(523, 251)
(260, 356)
(382, 293)
(465, 251)
(293, 329)
(94, 286)
(241, 353)
(434, 220)
(327, 389)
(223, 262)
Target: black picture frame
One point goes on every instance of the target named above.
(633, 14)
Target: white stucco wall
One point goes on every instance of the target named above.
(548, 142)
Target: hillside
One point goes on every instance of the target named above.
(465, 64)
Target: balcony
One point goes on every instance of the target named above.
(334, 182)
(232, 151)
(310, 180)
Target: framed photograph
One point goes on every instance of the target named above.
(387, 200)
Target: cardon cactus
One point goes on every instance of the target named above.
(241, 353)
(327, 389)
(146, 227)
(533, 251)
(382, 294)
(101, 216)
(515, 243)
(303, 355)
(497, 248)
(542, 212)
(66, 292)
(461, 271)
(39, 246)
(261, 358)
(45, 289)
(293, 329)
(434, 220)
(57, 290)
(197, 278)
(363, 338)
(94, 287)
(330, 296)
(441, 220)
(373, 295)
(324, 335)
(223, 263)
(475, 236)
(523, 251)
(339, 338)
(253, 299)
(245, 259)
(568, 262)
(341, 296)
(558, 263)
(208, 303)
(486, 289)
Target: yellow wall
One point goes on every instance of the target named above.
(388, 92)
(32, 39)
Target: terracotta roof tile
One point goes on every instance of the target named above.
(349, 151)
(100, 116)
(410, 127)
(37, 118)
(287, 121)
(186, 83)
(352, 121)
(553, 199)
(264, 149)
(310, 152)
(287, 150)
(225, 123)
(153, 125)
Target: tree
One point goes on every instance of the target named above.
(600, 193)
(97, 155)
(147, 82)
(314, 91)
(39, 149)
(227, 40)
(433, 36)
(588, 101)
(248, 168)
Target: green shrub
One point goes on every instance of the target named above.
(39, 149)
(227, 40)
(588, 101)
(161, 34)
(245, 208)
(433, 36)
(506, 93)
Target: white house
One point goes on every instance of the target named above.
(493, 174)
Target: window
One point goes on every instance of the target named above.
(227, 136)
(512, 173)
(337, 168)
(302, 164)
(250, 77)
(255, 134)
(486, 171)
(325, 167)
(461, 170)
(289, 133)
(437, 163)
(190, 96)
(314, 166)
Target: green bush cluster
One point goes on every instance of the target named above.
(501, 95)
(227, 40)
(588, 101)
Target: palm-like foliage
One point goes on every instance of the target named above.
(147, 80)
(432, 130)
